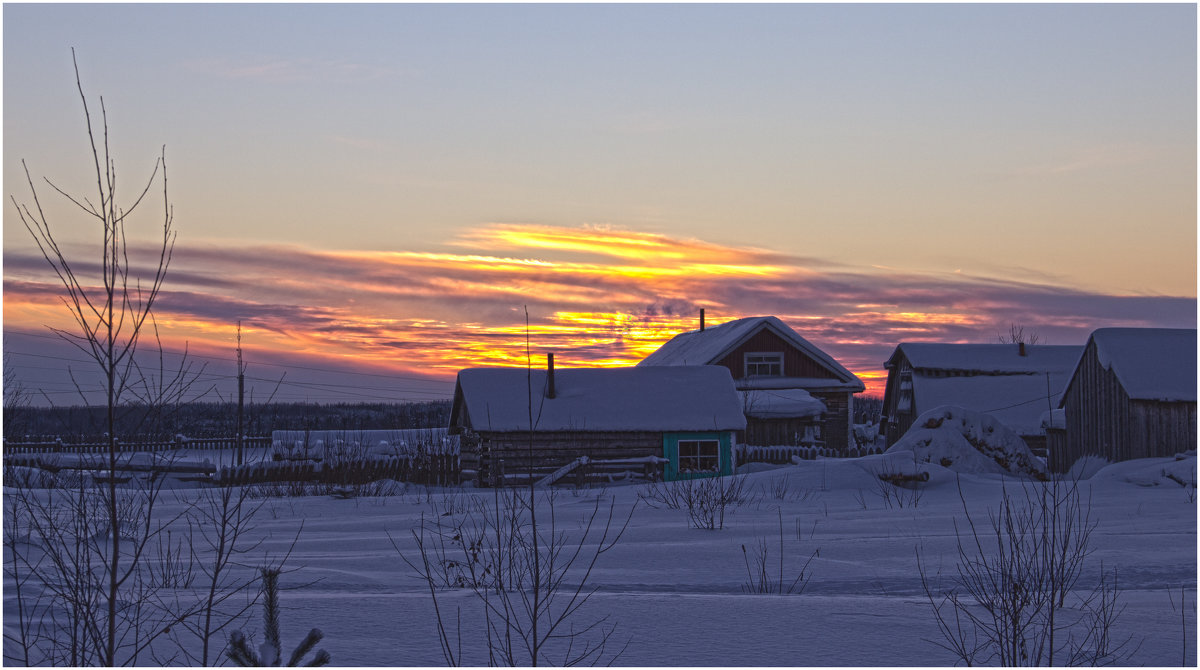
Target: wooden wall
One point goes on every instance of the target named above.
(1103, 421)
(780, 432)
(837, 429)
(795, 363)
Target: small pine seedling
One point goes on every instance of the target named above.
(269, 652)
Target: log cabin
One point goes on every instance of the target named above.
(674, 423)
(792, 392)
(1132, 394)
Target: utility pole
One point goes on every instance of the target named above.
(241, 455)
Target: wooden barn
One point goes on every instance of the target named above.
(792, 392)
(678, 423)
(1132, 395)
(1015, 383)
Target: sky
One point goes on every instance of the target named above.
(384, 194)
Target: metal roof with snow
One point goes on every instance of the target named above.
(708, 346)
(683, 398)
(988, 358)
(1151, 363)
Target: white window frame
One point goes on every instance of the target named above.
(694, 456)
(767, 358)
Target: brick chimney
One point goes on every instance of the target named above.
(1021, 348)
(550, 376)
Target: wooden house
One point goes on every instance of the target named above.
(1015, 383)
(514, 422)
(1131, 395)
(792, 392)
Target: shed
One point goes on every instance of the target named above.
(1014, 383)
(777, 370)
(1132, 394)
(524, 422)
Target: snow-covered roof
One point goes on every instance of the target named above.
(682, 398)
(1017, 400)
(708, 346)
(988, 358)
(781, 404)
(1150, 363)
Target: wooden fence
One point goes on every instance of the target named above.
(190, 443)
(434, 470)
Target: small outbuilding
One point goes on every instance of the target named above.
(1132, 394)
(1015, 383)
(792, 391)
(515, 423)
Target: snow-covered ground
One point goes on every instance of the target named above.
(674, 594)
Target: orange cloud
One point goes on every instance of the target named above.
(596, 296)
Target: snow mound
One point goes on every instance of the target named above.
(1178, 472)
(1085, 467)
(967, 441)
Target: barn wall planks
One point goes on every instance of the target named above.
(1102, 420)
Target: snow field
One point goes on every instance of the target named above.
(675, 593)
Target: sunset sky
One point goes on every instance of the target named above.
(379, 192)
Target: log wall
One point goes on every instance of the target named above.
(517, 454)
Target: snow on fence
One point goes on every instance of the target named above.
(787, 454)
(429, 470)
(180, 442)
(294, 445)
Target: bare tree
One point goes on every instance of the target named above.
(1017, 335)
(112, 313)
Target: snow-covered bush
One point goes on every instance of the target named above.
(970, 442)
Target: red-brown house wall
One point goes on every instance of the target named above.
(795, 363)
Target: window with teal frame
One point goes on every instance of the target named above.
(695, 455)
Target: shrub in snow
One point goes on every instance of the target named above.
(967, 441)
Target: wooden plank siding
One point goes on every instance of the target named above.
(779, 432)
(1103, 421)
(795, 363)
(837, 430)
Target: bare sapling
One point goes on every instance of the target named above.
(490, 550)
(1016, 597)
(97, 537)
(759, 569)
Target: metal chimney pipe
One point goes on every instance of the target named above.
(550, 376)
(702, 318)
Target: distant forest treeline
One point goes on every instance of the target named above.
(86, 424)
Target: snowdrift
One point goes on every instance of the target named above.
(966, 441)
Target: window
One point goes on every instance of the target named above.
(764, 365)
(699, 456)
